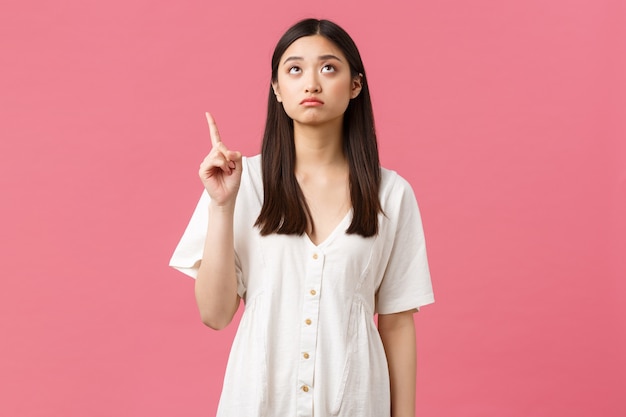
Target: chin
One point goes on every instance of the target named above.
(316, 119)
(312, 122)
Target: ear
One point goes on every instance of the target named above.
(357, 86)
(276, 91)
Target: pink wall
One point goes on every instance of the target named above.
(508, 117)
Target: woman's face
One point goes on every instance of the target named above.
(314, 83)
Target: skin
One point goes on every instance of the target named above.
(397, 332)
(311, 68)
(216, 286)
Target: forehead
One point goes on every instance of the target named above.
(312, 47)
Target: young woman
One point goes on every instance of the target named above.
(317, 239)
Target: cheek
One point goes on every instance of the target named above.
(288, 91)
(340, 86)
(342, 92)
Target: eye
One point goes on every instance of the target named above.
(328, 68)
(295, 70)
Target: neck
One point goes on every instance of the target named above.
(318, 146)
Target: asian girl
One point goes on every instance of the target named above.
(316, 239)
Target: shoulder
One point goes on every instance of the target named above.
(251, 187)
(251, 174)
(251, 164)
(393, 187)
(397, 199)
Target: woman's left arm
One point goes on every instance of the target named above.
(398, 335)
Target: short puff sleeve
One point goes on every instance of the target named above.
(406, 283)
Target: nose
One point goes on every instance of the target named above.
(312, 84)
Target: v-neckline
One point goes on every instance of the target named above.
(339, 228)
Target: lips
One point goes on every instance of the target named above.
(311, 101)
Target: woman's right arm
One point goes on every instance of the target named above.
(216, 283)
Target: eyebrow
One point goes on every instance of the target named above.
(320, 58)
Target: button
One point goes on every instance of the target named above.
(313, 292)
(305, 388)
(305, 355)
(308, 322)
(315, 256)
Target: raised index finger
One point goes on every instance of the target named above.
(215, 135)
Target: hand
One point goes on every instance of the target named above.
(220, 171)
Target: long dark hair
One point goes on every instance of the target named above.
(284, 208)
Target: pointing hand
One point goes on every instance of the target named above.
(220, 171)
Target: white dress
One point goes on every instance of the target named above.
(307, 344)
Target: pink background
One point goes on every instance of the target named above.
(508, 117)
